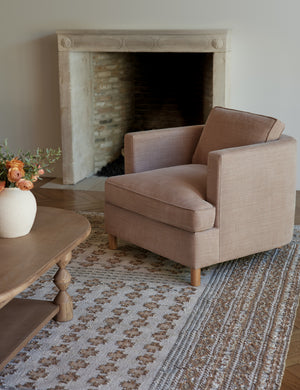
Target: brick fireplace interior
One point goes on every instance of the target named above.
(142, 91)
(115, 82)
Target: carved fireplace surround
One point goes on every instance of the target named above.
(76, 50)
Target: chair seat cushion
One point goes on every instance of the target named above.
(173, 195)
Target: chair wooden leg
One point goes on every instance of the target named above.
(112, 242)
(195, 277)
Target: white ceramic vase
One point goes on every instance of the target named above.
(17, 212)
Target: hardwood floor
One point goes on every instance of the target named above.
(68, 199)
(94, 201)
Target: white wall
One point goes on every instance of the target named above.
(265, 54)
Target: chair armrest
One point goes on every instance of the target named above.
(152, 149)
(253, 188)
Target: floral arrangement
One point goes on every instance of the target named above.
(22, 169)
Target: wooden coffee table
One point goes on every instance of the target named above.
(22, 261)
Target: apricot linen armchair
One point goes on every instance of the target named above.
(205, 194)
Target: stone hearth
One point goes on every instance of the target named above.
(106, 90)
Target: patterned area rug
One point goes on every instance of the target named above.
(138, 324)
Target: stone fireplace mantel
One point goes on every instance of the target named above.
(75, 81)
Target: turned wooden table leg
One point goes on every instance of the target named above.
(195, 277)
(62, 280)
(112, 242)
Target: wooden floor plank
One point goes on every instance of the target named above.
(295, 370)
(290, 382)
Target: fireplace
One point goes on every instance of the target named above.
(112, 82)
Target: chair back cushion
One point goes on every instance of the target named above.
(227, 128)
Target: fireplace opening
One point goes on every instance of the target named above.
(143, 91)
(171, 89)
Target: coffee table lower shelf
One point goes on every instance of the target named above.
(20, 321)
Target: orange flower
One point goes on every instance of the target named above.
(14, 163)
(2, 185)
(15, 174)
(24, 185)
(34, 178)
(40, 170)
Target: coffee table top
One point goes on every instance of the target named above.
(24, 259)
